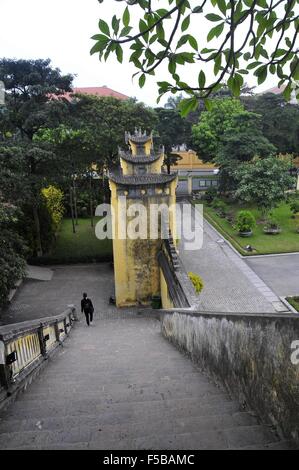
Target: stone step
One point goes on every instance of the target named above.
(127, 392)
(232, 438)
(120, 385)
(113, 412)
(65, 406)
(157, 433)
(130, 423)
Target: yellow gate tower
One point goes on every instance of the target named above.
(140, 181)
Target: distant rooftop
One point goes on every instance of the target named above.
(278, 91)
(101, 91)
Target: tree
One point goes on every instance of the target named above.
(208, 134)
(244, 35)
(279, 120)
(105, 121)
(264, 182)
(31, 86)
(229, 135)
(172, 131)
(12, 251)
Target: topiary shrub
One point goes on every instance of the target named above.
(245, 221)
(196, 281)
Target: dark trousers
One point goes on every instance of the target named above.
(89, 317)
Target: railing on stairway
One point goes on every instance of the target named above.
(25, 346)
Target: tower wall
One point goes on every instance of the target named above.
(136, 269)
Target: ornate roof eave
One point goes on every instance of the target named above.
(128, 157)
(142, 180)
(138, 137)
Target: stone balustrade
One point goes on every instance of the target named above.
(25, 346)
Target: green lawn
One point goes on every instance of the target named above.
(294, 301)
(286, 241)
(83, 246)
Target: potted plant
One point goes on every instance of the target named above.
(245, 222)
(272, 227)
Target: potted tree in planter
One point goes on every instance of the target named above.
(245, 223)
(272, 227)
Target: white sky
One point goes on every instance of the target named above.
(61, 30)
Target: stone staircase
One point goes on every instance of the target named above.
(120, 385)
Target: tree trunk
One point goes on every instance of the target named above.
(91, 199)
(75, 201)
(72, 210)
(38, 240)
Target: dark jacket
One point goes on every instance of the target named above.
(86, 306)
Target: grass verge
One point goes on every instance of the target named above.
(80, 247)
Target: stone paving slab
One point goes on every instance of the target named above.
(279, 272)
(39, 273)
(36, 299)
(227, 288)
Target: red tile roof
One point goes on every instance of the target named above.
(276, 90)
(101, 91)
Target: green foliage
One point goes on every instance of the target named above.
(12, 251)
(54, 203)
(172, 130)
(279, 120)
(165, 33)
(29, 85)
(82, 247)
(294, 206)
(197, 282)
(103, 122)
(219, 206)
(287, 242)
(228, 132)
(272, 224)
(245, 221)
(210, 194)
(209, 132)
(263, 182)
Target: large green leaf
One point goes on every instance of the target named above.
(104, 27)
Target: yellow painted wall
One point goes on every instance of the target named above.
(165, 299)
(147, 146)
(129, 168)
(136, 269)
(190, 161)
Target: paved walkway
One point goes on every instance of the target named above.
(120, 385)
(280, 272)
(230, 284)
(36, 299)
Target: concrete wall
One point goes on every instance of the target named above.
(250, 355)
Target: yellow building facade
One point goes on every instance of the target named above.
(141, 182)
(189, 161)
